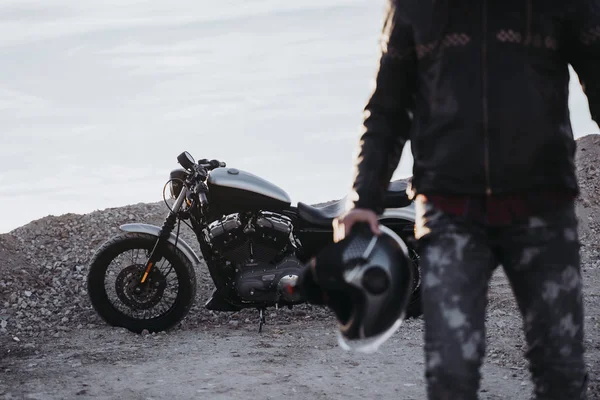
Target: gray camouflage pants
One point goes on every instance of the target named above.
(540, 257)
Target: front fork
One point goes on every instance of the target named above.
(164, 233)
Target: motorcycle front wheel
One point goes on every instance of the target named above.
(118, 297)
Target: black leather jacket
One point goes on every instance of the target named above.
(480, 88)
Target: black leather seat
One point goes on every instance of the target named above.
(323, 215)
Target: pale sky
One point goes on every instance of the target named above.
(97, 98)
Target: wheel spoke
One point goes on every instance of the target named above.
(144, 302)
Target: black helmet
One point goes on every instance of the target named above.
(366, 280)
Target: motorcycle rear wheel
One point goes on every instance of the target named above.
(414, 309)
(130, 297)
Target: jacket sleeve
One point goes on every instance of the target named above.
(387, 115)
(585, 54)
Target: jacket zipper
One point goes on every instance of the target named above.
(486, 140)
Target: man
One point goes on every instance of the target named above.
(481, 90)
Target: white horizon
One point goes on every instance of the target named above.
(98, 98)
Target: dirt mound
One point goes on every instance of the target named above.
(44, 268)
(15, 273)
(588, 203)
(588, 169)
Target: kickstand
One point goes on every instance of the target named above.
(262, 319)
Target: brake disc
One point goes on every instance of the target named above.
(136, 295)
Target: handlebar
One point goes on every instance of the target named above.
(212, 164)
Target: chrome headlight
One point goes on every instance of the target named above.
(178, 177)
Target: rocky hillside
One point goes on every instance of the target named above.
(43, 268)
(43, 265)
(588, 203)
(588, 169)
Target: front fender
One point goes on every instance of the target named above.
(155, 230)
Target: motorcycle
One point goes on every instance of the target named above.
(253, 241)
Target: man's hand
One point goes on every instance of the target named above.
(343, 224)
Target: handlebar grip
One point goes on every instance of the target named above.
(212, 164)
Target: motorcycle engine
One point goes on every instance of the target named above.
(266, 282)
(260, 249)
(260, 239)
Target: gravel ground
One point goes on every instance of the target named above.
(53, 346)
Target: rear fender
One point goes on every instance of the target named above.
(154, 230)
(407, 213)
(401, 220)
